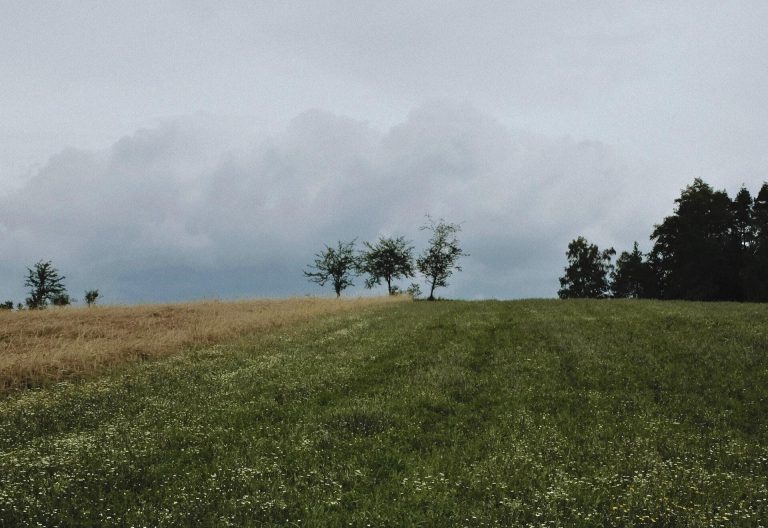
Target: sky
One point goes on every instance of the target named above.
(176, 150)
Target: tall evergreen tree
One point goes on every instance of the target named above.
(741, 247)
(756, 265)
(633, 276)
(693, 249)
(587, 272)
(741, 208)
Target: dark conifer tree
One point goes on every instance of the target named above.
(756, 265)
(633, 276)
(742, 218)
(740, 249)
(693, 249)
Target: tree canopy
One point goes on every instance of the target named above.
(711, 248)
(587, 272)
(336, 265)
(388, 259)
(45, 285)
(632, 276)
(440, 258)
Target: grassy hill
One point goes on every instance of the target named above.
(538, 413)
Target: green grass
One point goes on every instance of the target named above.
(530, 413)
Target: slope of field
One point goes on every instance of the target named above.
(37, 347)
(530, 413)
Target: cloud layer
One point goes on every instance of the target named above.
(199, 207)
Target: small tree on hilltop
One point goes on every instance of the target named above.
(587, 272)
(62, 299)
(633, 276)
(414, 290)
(439, 259)
(45, 284)
(389, 259)
(337, 265)
(91, 296)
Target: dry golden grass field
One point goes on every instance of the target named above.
(37, 347)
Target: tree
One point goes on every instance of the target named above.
(45, 284)
(632, 276)
(439, 259)
(337, 265)
(587, 272)
(755, 281)
(695, 250)
(389, 259)
(91, 296)
(742, 210)
(7, 305)
(414, 290)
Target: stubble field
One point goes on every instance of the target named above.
(41, 346)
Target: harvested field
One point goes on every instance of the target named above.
(37, 347)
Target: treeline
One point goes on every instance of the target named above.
(712, 248)
(46, 286)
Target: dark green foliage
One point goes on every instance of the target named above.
(695, 250)
(569, 413)
(632, 276)
(711, 248)
(91, 296)
(586, 275)
(45, 285)
(62, 299)
(743, 225)
(755, 273)
(389, 259)
(414, 290)
(7, 305)
(440, 258)
(336, 265)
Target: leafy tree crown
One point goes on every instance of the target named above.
(388, 259)
(44, 284)
(440, 258)
(587, 272)
(336, 265)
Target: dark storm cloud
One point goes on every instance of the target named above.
(185, 210)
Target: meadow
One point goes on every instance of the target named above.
(522, 413)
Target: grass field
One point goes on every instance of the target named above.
(526, 413)
(40, 346)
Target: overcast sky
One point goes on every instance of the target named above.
(177, 150)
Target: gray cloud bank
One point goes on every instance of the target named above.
(199, 207)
